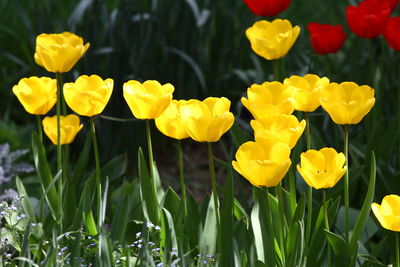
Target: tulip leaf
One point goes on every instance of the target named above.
(300, 209)
(171, 228)
(121, 215)
(208, 237)
(340, 248)
(159, 189)
(240, 213)
(264, 241)
(45, 176)
(295, 244)
(106, 256)
(87, 211)
(318, 237)
(366, 207)
(193, 221)
(172, 203)
(147, 192)
(81, 163)
(371, 260)
(226, 258)
(103, 203)
(26, 205)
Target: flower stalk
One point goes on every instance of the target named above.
(309, 192)
(97, 162)
(39, 125)
(213, 183)
(181, 176)
(326, 224)
(59, 152)
(150, 151)
(346, 183)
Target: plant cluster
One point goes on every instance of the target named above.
(297, 214)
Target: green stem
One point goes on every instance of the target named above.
(59, 152)
(97, 161)
(397, 250)
(308, 136)
(181, 176)
(214, 184)
(150, 150)
(346, 183)
(309, 193)
(282, 214)
(269, 219)
(326, 225)
(40, 129)
(325, 210)
(62, 100)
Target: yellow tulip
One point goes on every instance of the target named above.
(149, 99)
(268, 99)
(280, 128)
(59, 52)
(37, 95)
(69, 127)
(207, 120)
(388, 213)
(262, 163)
(306, 91)
(89, 95)
(170, 121)
(323, 168)
(347, 103)
(272, 40)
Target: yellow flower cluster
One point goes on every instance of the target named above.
(203, 121)
(264, 161)
(271, 103)
(87, 96)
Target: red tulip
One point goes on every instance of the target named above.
(267, 7)
(393, 4)
(369, 18)
(326, 38)
(392, 33)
